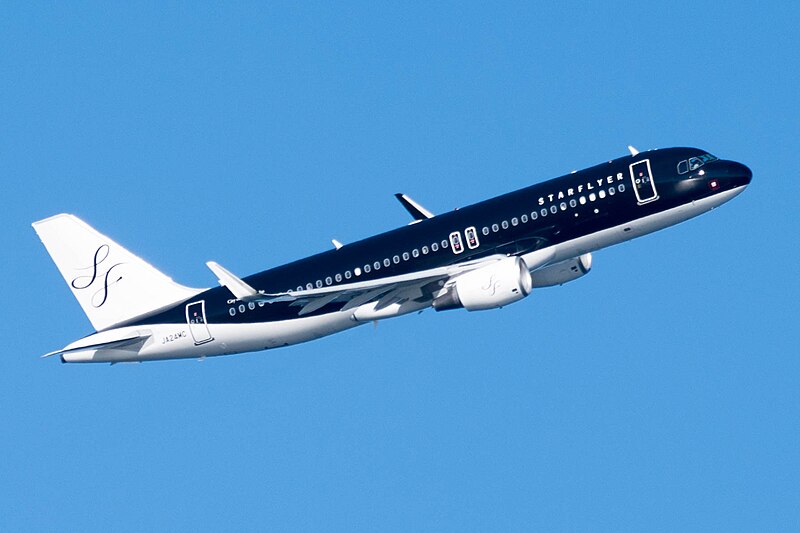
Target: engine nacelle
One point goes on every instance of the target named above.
(489, 287)
(561, 273)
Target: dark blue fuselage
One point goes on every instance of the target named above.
(548, 213)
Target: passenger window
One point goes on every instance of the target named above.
(553, 209)
(434, 246)
(319, 283)
(377, 265)
(347, 274)
(524, 219)
(367, 269)
(386, 262)
(338, 278)
(415, 252)
(328, 280)
(563, 206)
(396, 259)
(444, 244)
(504, 224)
(495, 228)
(534, 215)
(405, 256)
(514, 221)
(485, 230)
(544, 212)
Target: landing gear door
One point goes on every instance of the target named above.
(196, 318)
(643, 184)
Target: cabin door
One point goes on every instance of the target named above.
(643, 183)
(196, 318)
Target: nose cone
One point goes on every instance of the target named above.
(716, 182)
(737, 174)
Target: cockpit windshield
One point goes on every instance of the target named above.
(693, 163)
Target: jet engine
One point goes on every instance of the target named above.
(495, 285)
(562, 272)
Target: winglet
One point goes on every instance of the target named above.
(634, 152)
(336, 244)
(236, 285)
(416, 210)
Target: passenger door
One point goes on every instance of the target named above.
(196, 318)
(643, 183)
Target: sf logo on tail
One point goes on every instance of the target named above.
(86, 281)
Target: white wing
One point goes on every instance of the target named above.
(420, 286)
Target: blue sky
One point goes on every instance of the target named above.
(658, 393)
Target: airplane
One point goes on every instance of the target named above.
(484, 256)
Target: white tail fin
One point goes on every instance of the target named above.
(111, 284)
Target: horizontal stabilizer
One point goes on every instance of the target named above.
(236, 285)
(108, 339)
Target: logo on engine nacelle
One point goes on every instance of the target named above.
(492, 285)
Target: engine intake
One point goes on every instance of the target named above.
(489, 287)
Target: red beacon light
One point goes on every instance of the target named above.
(713, 184)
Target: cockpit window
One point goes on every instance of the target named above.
(693, 163)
